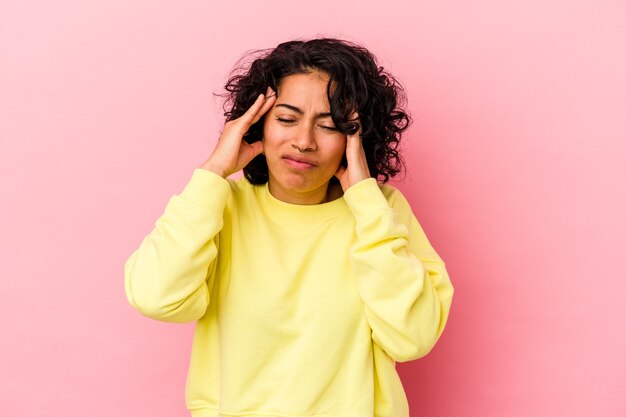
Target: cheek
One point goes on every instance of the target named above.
(266, 132)
(272, 144)
(275, 136)
(268, 137)
(340, 149)
(270, 129)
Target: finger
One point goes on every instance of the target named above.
(249, 115)
(248, 154)
(355, 116)
(354, 144)
(268, 104)
(355, 153)
(257, 147)
(257, 110)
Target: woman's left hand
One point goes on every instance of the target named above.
(357, 169)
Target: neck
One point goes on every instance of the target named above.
(320, 195)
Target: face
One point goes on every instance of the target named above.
(302, 147)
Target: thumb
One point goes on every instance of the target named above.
(340, 172)
(257, 147)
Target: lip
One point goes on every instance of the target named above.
(299, 162)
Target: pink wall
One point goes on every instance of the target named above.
(517, 161)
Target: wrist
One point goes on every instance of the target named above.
(210, 167)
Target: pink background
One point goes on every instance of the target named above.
(516, 158)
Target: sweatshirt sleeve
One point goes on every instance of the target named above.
(169, 277)
(403, 282)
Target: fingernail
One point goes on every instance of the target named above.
(267, 92)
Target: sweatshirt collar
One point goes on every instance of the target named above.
(301, 212)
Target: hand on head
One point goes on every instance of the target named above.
(357, 169)
(232, 153)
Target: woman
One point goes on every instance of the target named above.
(307, 277)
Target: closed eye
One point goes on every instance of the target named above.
(293, 121)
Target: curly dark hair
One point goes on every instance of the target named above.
(357, 84)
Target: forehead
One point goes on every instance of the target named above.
(303, 88)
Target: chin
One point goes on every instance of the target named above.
(293, 181)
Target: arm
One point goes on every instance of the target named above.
(403, 282)
(169, 277)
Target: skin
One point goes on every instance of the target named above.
(303, 134)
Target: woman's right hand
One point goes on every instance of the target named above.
(232, 153)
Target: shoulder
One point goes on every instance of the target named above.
(240, 185)
(394, 196)
(242, 191)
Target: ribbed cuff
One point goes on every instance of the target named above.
(207, 189)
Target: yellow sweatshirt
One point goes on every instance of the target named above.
(302, 310)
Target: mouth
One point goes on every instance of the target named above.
(299, 163)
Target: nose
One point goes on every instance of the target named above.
(304, 139)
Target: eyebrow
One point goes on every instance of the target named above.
(298, 110)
